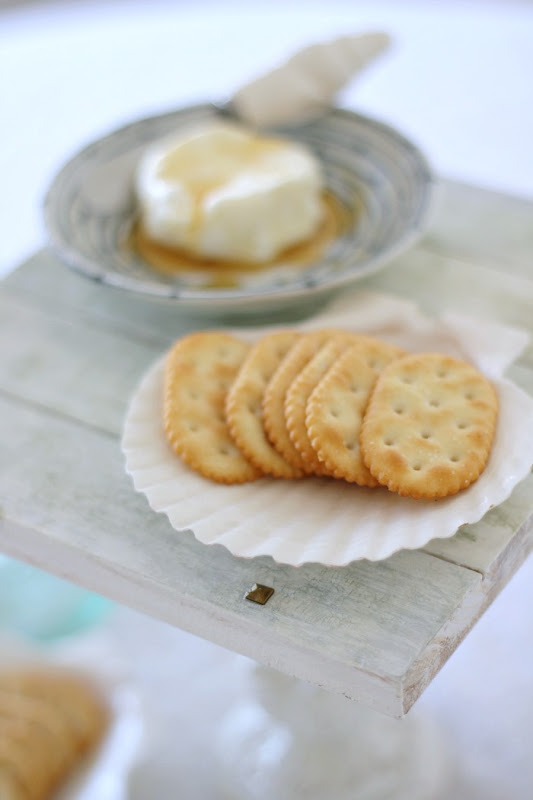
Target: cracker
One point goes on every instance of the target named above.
(70, 696)
(245, 399)
(274, 398)
(48, 719)
(79, 704)
(200, 369)
(22, 756)
(48, 725)
(299, 392)
(10, 786)
(336, 406)
(429, 425)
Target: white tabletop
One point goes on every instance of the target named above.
(458, 82)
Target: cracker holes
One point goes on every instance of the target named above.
(254, 409)
(434, 403)
(442, 373)
(224, 450)
(193, 427)
(462, 425)
(388, 442)
(425, 434)
(407, 379)
(469, 395)
(454, 458)
(372, 362)
(354, 389)
(335, 413)
(399, 409)
(350, 445)
(417, 466)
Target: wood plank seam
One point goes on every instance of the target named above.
(449, 560)
(54, 413)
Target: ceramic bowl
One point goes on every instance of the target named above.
(379, 178)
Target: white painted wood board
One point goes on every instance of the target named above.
(71, 354)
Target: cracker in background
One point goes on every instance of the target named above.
(42, 719)
(20, 756)
(200, 369)
(336, 406)
(48, 719)
(245, 401)
(10, 786)
(299, 392)
(274, 398)
(429, 425)
(67, 695)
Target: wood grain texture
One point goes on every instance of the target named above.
(72, 352)
(336, 627)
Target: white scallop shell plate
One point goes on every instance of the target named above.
(323, 520)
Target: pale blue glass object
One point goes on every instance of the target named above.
(40, 606)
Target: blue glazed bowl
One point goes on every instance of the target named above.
(381, 179)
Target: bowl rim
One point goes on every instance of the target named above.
(89, 268)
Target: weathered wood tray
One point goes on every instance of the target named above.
(73, 351)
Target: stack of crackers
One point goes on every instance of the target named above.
(329, 403)
(49, 721)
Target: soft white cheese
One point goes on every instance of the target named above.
(225, 193)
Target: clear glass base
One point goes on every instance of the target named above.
(296, 741)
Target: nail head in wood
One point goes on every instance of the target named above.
(260, 594)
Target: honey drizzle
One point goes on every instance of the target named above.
(226, 274)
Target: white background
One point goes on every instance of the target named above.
(459, 81)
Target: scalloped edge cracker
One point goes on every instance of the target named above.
(336, 407)
(429, 426)
(199, 371)
(274, 420)
(244, 405)
(299, 392)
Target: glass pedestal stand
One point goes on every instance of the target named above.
(293, 741)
